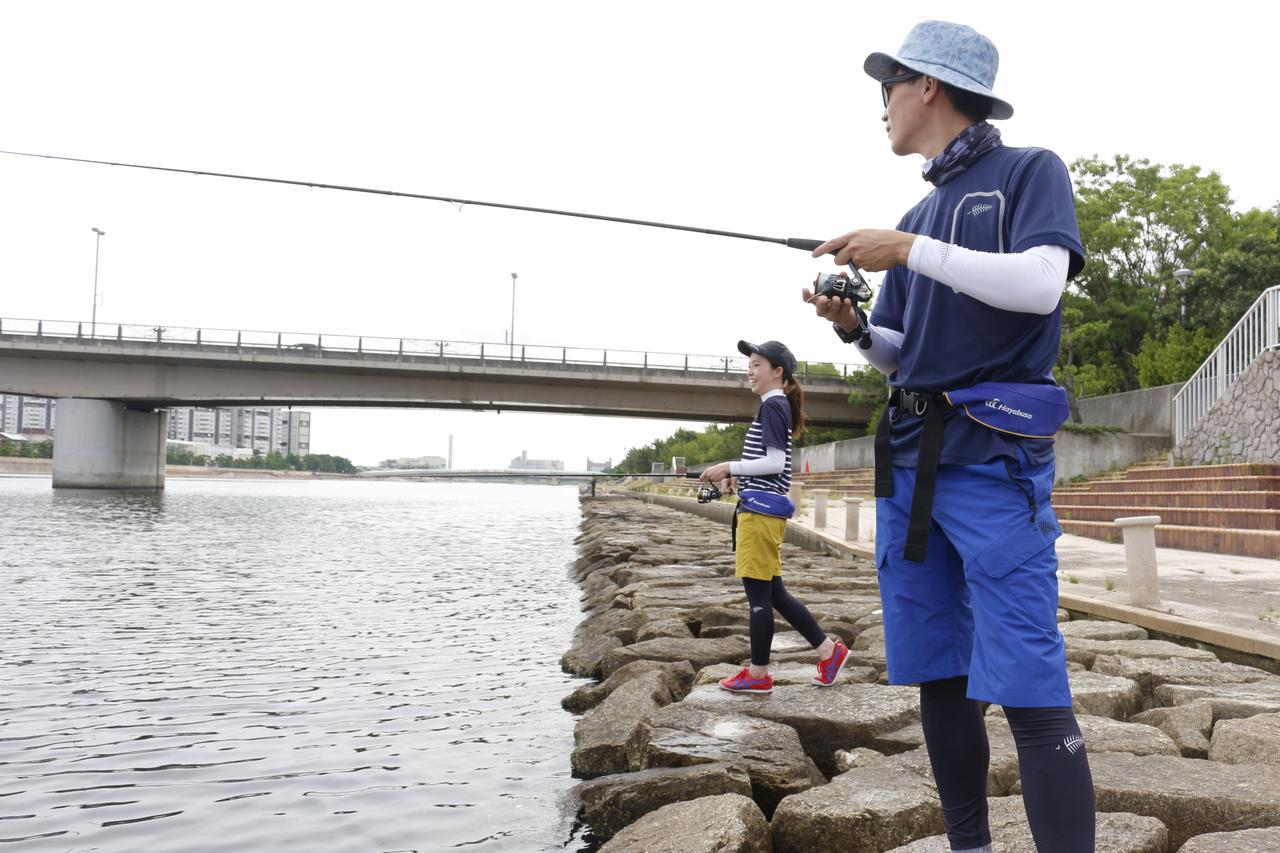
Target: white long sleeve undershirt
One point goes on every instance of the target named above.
(1029, 282)
(774, 461)
(886, 345)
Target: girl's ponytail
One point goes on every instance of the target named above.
(795, 396)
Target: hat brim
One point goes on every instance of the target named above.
(881, 65)
(748, 348)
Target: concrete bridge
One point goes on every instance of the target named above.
(113, 383)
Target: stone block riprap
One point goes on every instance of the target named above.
(1179, 742)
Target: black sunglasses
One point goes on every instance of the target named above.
(897, 78)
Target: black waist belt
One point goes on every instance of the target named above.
(920, 405)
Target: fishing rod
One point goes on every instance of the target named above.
(707, 492)
(832, 286)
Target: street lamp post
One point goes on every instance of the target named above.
(97, 245)
(512, 353)
(1182, 275)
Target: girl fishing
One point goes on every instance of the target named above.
(762, 478)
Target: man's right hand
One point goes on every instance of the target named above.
(839, 311)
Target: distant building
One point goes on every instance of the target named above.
(524, 463)
(200, 448)
(299, 433)
(225, 431)
(599, 466)
(414, 462)
(250, 428)
(202, 425)
(26, 415)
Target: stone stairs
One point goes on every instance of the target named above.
(853, 482)
(1223, 509)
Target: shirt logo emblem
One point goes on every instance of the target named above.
(979, 209)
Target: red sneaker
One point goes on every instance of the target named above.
(829, 669)
(744, 683)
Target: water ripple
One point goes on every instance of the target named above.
(232, 665)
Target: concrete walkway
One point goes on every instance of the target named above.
(1219, 599)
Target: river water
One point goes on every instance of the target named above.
(276, 666)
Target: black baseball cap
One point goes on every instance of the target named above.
(775, 351)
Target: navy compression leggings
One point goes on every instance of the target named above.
(1057, 788)
(763, 597)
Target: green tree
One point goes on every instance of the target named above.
(816, 368)
(326, 464)
(714, 444)
(1173, 357)
(1139, 222)
(825, 435)
(869, 387)
(177, 456)
(1230, 277)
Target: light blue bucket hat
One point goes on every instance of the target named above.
(953, 53)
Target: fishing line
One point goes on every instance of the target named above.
(791, 242)
(863, 291)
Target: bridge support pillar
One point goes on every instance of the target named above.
(103, 445)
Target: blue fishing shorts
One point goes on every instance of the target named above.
(984, 603)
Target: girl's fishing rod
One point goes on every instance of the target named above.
(790, 242)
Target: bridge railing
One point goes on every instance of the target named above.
(321, 345)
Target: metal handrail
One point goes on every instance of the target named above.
(1256, 332)
(319, 345)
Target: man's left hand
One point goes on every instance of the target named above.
(871, 249)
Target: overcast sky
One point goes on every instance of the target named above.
(741, 116)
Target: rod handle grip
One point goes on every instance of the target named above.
(802, 243)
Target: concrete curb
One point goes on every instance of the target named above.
(1240, 646)
(1242, 642)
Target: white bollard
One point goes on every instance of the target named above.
(820, 509)
(1140, 558)
(852, 509)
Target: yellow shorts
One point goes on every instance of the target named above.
(759, 552)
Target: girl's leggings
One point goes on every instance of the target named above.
(763, 597)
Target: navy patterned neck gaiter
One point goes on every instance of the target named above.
(972, 142)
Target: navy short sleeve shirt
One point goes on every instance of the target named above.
(1010, 200)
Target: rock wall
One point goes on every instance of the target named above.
(1244, 425)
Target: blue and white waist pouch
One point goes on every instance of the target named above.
(1024, 409)
(766, 503)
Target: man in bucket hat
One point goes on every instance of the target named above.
(967, 329)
